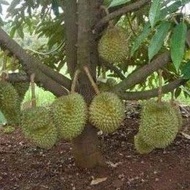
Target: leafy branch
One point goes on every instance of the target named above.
(142, 73)
(32, 65)
(129, 8)
(152, 93)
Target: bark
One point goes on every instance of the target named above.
(71, 35)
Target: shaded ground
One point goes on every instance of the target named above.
(23, 167)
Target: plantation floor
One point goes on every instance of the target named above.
(23, 167)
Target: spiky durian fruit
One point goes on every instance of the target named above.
(141, 146)
(21, 88)
(38, 126)
(113, 45)
(9, 102)
(106, 112)
(69, 114)
(158, 125)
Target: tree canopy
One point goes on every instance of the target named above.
(45, 36)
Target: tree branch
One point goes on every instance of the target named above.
(142, 73)
(71, 35)
(129, 8)
(18, 77)
(151, 93)
(32, 65)
(111, 67)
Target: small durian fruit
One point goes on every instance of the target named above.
(106, 112)
(158, 124)
(141, 146)
(69, 114)
(113, 45)
(9, 103)
(37, 125)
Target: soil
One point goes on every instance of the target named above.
(26, 167)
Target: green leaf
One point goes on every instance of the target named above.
(118, 2)
(140, 39)
(154, 12)
(172, 7)
(158, 39)
(178, 44)
(185, 70)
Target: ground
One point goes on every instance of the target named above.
(26, 167)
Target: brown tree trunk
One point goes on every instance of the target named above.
(86, 146)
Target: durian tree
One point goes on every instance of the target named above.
(126, 40)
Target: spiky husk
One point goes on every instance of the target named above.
(69, 114)
(106, 112)
(158, 124)
(38, 126)
(113, 45)
(9, 102)
(141, 146)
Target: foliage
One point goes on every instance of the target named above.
(163, 27)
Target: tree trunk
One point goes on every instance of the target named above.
(85, 147)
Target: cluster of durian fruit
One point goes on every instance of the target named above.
(11, 97)
(66, 117)
(159, 125)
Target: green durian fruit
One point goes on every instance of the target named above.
(69, 114)
(9, 103)
(21, 88)
(113, 45)
(37, 125)
(106, 112)
(141, 146)
(158, 124)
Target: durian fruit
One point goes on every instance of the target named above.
(158, 124)
(37, 125)
(141, 146)
(106, 112)
(9, 103)
(113, 45)
(21, 88)
(69, 114)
